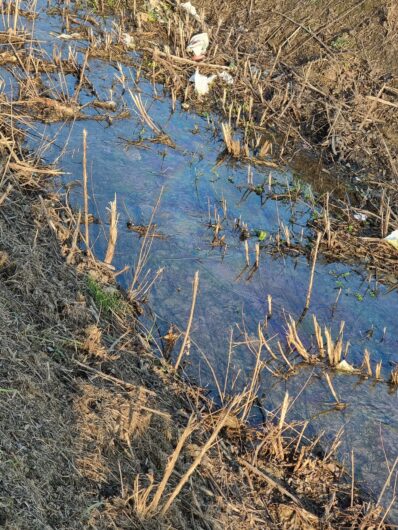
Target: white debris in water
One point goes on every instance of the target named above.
(360, 217)
(226, 77)
(190, 9)
(392, 239)
(202, 82)
(198, 45)
(128, 40)
(69, 36)
(344, 366)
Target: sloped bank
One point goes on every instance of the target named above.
(97, 431)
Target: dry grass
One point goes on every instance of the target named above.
(96, 428)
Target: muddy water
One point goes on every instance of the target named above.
(194, 180)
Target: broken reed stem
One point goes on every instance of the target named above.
(186, 335)
(278, 439)
(247, 253)
(16, 13)
(319, 337)
(233, 146)
(114, 217)
(366, 363)
(294, 340)
(269, 300)
(310, 285)
(394, 376)
(6, 193)
(329, 381)
(352, 477)
(81, 78)
(221, 422)
(251, 395)
(257, 261)
(85, 192)
(378, 370)
(144, 114)
(335, 349)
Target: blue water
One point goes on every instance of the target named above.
(193, 180)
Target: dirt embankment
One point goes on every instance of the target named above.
(331, 71)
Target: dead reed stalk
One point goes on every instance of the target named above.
(140, 286)
(219, 425)
(311, 283)
(192, 424)
(378, 370)
(114, 217)
(394, 376)
(339, 404)
(186, 335)
(319, 337)
(233, 146)
(279, 439)
(334, 349)
(144, 114)
(253, 389)
(294, 340)
(85, 192)
(366, 363)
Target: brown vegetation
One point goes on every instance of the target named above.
(96, 430)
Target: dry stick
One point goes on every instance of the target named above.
(171, 464)
(6, 193)
(85, 193)
(352, 477)
(387, 482)
(110, 251)
(16, 12)
(313, 35)
(198, 459)
(387, 511)
(186, 336)
(329, 382)
(310, 285)
(76, 233)
(83, 68)
(270, 481)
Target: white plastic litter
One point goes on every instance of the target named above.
(344, 366)
(360, 217)
(190, 9)
(202, 82)
(69, 36)
(128, 40)
(392, 239)
(226, 77)
(198, 45)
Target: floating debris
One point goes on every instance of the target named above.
(69, 36)
(198, 46)
(392, 239)
(344, 366)
(202, 82)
